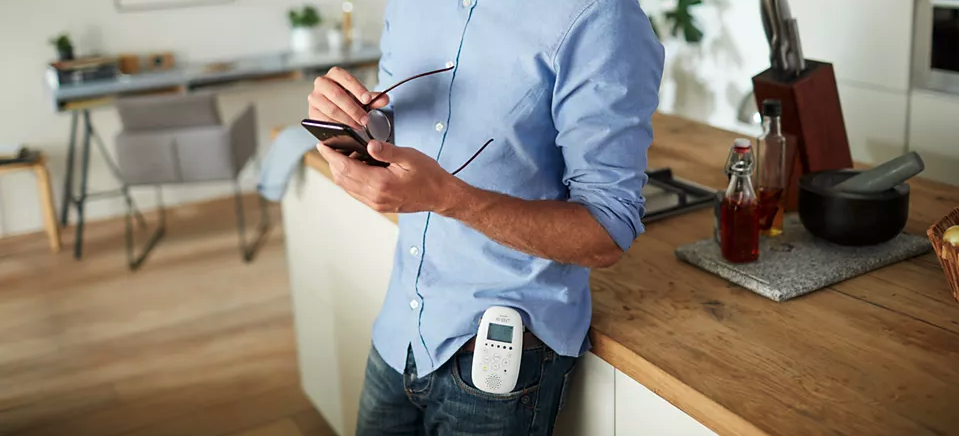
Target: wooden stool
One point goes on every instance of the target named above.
(39, 168)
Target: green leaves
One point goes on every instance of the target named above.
(62, 42)
(682, 19)
(308, 17)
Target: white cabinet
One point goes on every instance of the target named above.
(340, 255)
(589, 402)
(934, 134)
(606, 402)
(868, 41)
(312, 301)
(640, 412)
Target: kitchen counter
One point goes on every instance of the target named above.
(876, 355)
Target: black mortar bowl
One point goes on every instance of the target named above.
(847, 218)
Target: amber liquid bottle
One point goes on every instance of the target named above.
(739, 211)
(771, 170)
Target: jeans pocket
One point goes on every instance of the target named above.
(528, 380)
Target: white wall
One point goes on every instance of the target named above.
(869, 43)
(707, 81)
(194, 34)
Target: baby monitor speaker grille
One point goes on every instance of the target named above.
(492, 381)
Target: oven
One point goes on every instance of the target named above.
(935, 63)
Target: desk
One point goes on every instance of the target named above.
(39, 168)
(80, 98)
(194, 77)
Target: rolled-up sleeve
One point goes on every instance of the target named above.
(608, 67)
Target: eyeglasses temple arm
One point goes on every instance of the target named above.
(471, 159)
(367, 106)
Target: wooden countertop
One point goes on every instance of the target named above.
(874, 355)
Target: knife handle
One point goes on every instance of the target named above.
(796, 45)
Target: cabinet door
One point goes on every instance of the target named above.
(933, 133)
(640, 412)
(312, 296)
(589, 402)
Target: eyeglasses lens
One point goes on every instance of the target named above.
(379, 126)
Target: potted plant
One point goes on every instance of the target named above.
(334, 37)
(683, 89)
(681, 19)
(63, 45)
(304, 23)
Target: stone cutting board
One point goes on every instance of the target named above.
(798, 263)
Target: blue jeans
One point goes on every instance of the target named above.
(446, 402)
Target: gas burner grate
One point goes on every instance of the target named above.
(668, 196)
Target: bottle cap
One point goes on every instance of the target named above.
(742, 143)
(772, 108)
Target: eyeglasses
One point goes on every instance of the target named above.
(380, 128)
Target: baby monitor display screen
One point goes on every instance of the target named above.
(499, 332)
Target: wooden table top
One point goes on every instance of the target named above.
(874, 355)
(29, 165)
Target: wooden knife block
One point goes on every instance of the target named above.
(812, 116)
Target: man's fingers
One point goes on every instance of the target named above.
(386, 152)
(341, 175)
(358, 188)
(378, 98)
(346, 167)
(349, 82)
(343, 100)
(325, 108)
(368, 184)
(315, 113)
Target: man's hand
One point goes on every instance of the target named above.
(414, 182)
(339, 97)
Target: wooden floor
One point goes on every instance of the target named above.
(195, 343)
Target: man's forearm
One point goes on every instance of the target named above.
(558, 230)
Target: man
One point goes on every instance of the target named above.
(566, 90)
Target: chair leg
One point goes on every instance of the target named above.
(134, 261)
(249, 250)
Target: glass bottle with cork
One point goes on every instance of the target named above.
(772, 171)
(739, 210)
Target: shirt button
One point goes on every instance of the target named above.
(467, 3)
(414, 251)
(450, 64)
(439, 127)
(414, 304)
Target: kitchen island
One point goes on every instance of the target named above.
(676, 350)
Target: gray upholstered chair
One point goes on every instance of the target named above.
(180, 139)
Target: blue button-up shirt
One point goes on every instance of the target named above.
(567, 90)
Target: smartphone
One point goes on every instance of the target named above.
(343, 139)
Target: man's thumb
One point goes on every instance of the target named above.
(382, 151)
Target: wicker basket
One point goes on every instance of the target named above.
(947, 254)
